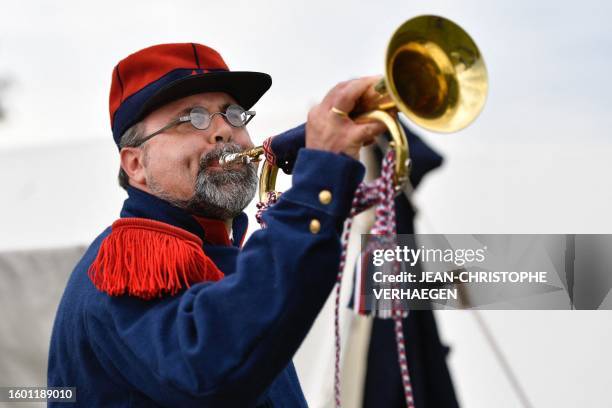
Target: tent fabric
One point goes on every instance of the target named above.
(32, 283)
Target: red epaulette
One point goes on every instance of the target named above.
(149, 259)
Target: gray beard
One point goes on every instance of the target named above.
(220, 194)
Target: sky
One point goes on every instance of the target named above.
(537, 160)
(547, 60)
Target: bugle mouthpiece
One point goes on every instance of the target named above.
(230, 158)
(248, 156)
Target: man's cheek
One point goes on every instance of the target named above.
(180, 177)
(243, 140)
(184, 170)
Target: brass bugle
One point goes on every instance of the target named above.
(434, 74)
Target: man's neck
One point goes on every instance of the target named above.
(228, 225)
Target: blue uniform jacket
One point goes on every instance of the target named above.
(222, 344)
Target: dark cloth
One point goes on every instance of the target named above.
(431, 382)
(222, 344)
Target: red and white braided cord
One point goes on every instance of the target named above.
(379, 192)
(272, 198)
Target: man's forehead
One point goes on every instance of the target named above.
(209, 100)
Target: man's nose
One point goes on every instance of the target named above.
(220, 130)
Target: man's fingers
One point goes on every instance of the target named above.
(347, 96)
(344, 95)
(330, 128)
(332, 94)
(367, 132)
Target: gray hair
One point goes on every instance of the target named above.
(129, 139)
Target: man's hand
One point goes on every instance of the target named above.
(326, 130)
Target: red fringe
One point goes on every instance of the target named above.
(149, 259)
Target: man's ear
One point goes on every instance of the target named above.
(132, 162)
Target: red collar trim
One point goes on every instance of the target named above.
(215, 231)
(156, 226)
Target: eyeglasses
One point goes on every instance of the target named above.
(201, 119)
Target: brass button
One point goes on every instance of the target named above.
(315, 226)
(325, 197)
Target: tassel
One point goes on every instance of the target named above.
(149, 259)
